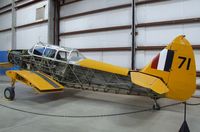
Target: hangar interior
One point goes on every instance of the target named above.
(127, 33)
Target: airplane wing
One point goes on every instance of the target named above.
(40, 81)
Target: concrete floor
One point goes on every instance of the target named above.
(77, 102)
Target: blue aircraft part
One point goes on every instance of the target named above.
(4, 58)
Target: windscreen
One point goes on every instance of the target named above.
(49, 52)
(38, 50)
(76, 56)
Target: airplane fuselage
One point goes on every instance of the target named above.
(63, 64)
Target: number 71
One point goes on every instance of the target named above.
(184, 59)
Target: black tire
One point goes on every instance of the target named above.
(9, 93)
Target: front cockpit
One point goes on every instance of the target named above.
(56, 53)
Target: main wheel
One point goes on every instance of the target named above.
(9, 93)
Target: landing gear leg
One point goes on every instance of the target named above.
(156, 106)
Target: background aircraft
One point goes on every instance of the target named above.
(48, 68)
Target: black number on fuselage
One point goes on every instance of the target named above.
(183, 61)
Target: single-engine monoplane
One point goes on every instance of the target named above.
(48, 68)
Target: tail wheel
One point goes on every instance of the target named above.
(9, 93)
(156, 106)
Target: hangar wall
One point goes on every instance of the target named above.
(174, 15)
(102, 19)
(5, 24)
(27, 36)
(157, 23)
(28, 30)
(163, 34)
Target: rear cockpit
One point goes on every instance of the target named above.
(56, 53)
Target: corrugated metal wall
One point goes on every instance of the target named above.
(104, 39)
(162, 35)
(26, 35)
(5, 23)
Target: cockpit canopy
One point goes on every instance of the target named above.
(56, 53)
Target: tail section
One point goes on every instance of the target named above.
(172, 72)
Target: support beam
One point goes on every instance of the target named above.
(153, 48)
(170, 22)
(57, 22)
(6, 11)
(26, 4)
(18, 1)
(108, 49)
(31, 24)
(96, 30)
(6, 6)
(133, 35)
(13, 25)
(70, 2)
(51, 21)
(149, 2)
(5, 30)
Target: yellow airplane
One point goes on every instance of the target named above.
(48, 68)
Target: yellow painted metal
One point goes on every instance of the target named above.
(180, 81)
(150, 82)
(88, 63)
(6, 65)
(37, 80)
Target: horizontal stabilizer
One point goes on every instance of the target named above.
(148, 81)
(35, 79)
(6, 65)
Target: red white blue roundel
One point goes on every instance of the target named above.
(163, 61)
